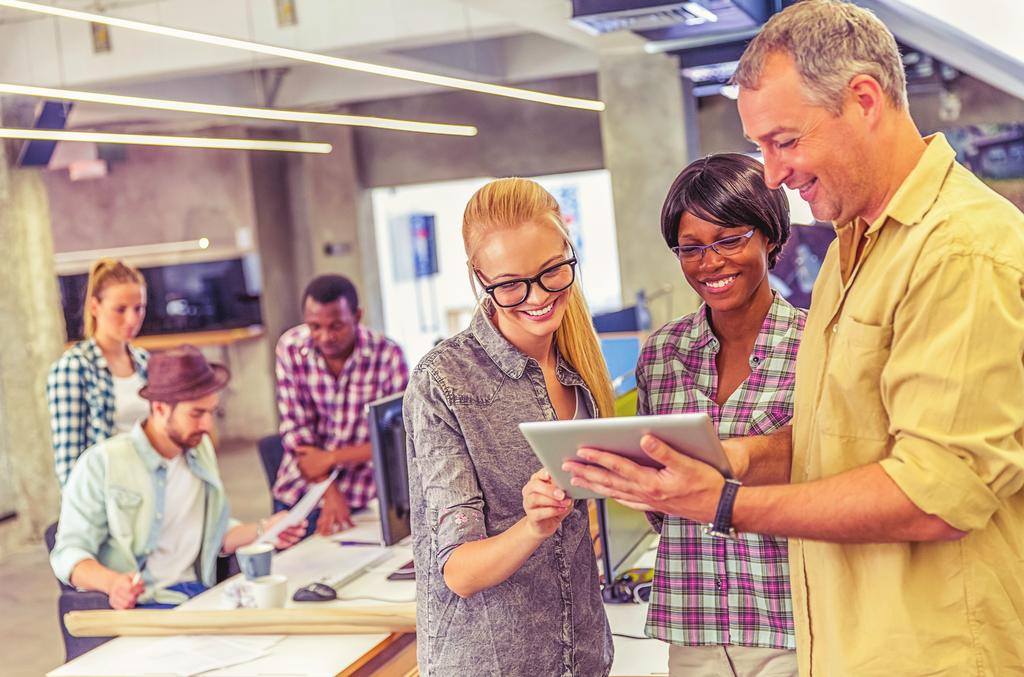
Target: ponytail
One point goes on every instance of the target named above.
(577, 342)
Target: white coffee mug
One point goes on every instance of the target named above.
(270, 592)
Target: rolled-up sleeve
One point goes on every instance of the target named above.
(82, 528)
(954, 389)
(442, 468)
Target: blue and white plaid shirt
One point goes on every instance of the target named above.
(80, 392)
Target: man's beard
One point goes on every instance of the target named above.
(184, 442)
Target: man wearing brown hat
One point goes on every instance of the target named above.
(144, 514)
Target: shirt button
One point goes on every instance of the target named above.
(719, 583)
(835, 328)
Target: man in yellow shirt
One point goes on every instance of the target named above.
(905, 462)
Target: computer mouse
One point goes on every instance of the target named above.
(315, 592)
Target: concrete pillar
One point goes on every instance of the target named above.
(31, 337)
(642, 133)
(332, 218)
(275, 240)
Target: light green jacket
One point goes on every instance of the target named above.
(112, 510)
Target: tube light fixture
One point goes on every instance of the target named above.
(240, 111)
(311, 57)
(156, 140)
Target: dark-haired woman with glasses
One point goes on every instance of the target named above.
(505, 571)
(724, 604)
(720, 599)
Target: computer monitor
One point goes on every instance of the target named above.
(624, 535)
(390, 467)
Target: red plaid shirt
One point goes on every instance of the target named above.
(323, 410)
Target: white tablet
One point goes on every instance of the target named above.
(555, 442)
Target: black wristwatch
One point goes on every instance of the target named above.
(722, 526)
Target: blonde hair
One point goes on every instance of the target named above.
(506, 204)
(831, 42)
(104, 273)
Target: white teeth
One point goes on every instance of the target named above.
(542, 311)
(718, 284)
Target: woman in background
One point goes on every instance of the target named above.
(506, 575)
(93, 389)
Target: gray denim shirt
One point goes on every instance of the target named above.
(468, 463)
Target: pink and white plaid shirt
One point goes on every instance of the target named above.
(327, 411)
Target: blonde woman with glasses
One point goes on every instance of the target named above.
(93, 389)
(507, 581)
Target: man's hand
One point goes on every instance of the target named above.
(684, 487)
(315, 464)
(545, 504)
(122, 592)
(334, 513)
(289, 536)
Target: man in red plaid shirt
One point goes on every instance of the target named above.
(328, 369)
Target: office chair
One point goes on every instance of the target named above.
(271, 453)
(75, 600)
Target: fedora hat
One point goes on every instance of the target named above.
(182, 374)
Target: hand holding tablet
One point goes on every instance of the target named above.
(555, 442)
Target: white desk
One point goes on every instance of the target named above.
(305, 655)
(331, 655)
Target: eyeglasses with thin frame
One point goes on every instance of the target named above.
(727, 246)
(512, 293)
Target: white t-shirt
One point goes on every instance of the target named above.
(181, 535)
(129, 408)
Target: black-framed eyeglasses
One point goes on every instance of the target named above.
(727, 246)
(511, 293)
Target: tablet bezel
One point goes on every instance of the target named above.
(554, 442)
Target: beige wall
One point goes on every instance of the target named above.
(154, 195)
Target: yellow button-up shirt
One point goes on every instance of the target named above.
(916, 362)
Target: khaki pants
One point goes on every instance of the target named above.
(730, 661)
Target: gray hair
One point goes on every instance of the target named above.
(831, 43)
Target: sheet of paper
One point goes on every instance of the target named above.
(188, 655)
(327, 562)
(300, 510)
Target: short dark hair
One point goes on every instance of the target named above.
(727, 190)
(330, 288)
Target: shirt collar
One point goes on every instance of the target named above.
(506, 356)
(94, 354)
(776, 326)
(509, 359)
(149, 455)
(779, 323)
(920, 189)
(699, 333)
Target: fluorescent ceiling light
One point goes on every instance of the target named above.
(312, 57)
(241, 111)
(154, 140)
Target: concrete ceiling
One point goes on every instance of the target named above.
(492, 40)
